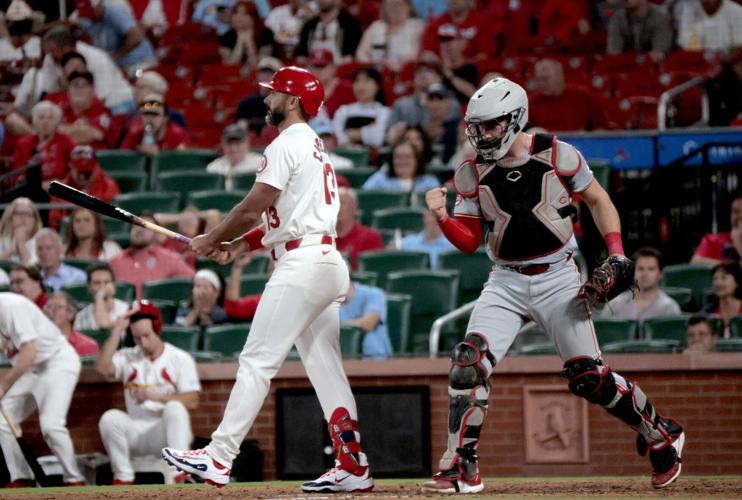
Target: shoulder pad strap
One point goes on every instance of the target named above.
(541, 142)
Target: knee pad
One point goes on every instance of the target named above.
(590, 379)
(472, 363)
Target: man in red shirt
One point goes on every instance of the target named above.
(157, 133)
(716, 247)
(353, 237)
(462, 22)
(338, 90)
(86, 175)
(145, 260)
(558, 107)
(61, 309)
(84, 117)
(27, 281)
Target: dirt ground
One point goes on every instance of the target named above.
(695, 488)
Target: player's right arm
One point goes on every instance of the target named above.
(104, 362)
(25, 358)
(465, 232)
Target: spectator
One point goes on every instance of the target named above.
(52, 146)
(421, 140)
(563, 24)
(237, 307)
(237, 158)
(86, 237)
(213, 14)
(430, 240)
(555, 106)
(112, 27)
(460, 75)
(105, 309)
(144, 260)
(18, 227)
(717, 247)
(406, 172)
(393, 40)
(464, 150)
(205, 305)
(649, 301)
(725, 100)
(334, 29)
(190, 222)
(151, 82)
(56, 273)
(286, 21)
(353, 237)
(251, 110)
(700, 335)
(410, 111)
(727, 289)
(442, 130)
(338, 91)
(87, 176)
(27, 281)
(247, 39)
(463, 22)
(322, 126)
(640, 26)
(157, 15)
(85, 119)
(61, 309)
(716, 25)
(363, 122)
(365, 307)
(160, 386)
(71, 62)
(157, 132)
(20, 43)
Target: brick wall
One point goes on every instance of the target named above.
(704, 392)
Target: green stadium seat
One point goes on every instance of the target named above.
(115, 226)
(372, 200)
(359, 157)
(216, 199)
(177, 289)
(443, 173)
(121, 238)
(666, 328)
(384, 262)
(207, 357)
(5, 265)
(131, 180)
(434, 293)
(350, 341)
(206, 263)
(253, 283)
(474, 270)
(184, 337)
(125, 291)
(79, 292)
(398, 317)
(615, 330)
(244, 182)
(536, 349)
(642, 346)
(418, 200)
(168, 310)
(185, 181)
(602, 173)
(356, 176)
(258, 265)
(193, 159)
(694, 276)
(735, 327)
(117, 160)
(682, 295)
(149, 201)
(100, 336)
(366, 278)
(82, 264)
(729, 345)
(226, 339)
(4, 288)
(405, 219)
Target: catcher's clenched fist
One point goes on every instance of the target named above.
(436, 201)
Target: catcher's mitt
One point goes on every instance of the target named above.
(612, 277)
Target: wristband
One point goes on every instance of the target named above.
(254, 237)
(613, 242)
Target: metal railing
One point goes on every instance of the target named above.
(435, 330)
(670, 94)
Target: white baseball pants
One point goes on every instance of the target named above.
(300, 305)
(124, 436)
(47, 386)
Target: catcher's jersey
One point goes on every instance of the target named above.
(22, 321)
(296, 163)
(527, 207)
(173, 372)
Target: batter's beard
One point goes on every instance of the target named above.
(274, 118)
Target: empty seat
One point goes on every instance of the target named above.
(226, 339)
(474, 270)
(137, 203)
(82, 264)
(372, 200)
(366, 277)
(184, 337)
(206, 263)
(666, 328)
(79, 292)
(176, 289)
(356, 176)
(131, 180)
(121, 160)
(216, 199)
(183, 182)
(729, 345)
(642, 346)
(193, 159)
(358, 156)
(350, 341)
(682, 295)
(615, 329)
(398, 316)
(735, 327)
(100, 335)
(168, 310)
(694, 276)
(387, 261)
(253, 283)
(404, 219)
(244, 181)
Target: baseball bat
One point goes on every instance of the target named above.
(84, 200)
(28, 453)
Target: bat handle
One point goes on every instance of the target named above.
(13, 428)
(182, 239)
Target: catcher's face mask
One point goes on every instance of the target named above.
(487, 137)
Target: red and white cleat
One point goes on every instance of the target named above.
(198, 463)
(666, 462)
(338, 480)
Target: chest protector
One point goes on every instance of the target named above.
(527, 208)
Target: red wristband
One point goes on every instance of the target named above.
(254, 237)
(613, 242)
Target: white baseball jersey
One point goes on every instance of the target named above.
(173, 372)
(296, 163)
(22, 321)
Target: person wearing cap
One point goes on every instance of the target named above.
(363, 122)
(87, 176)
(157, 132)
(205, 307)
(62, 309)
(237, 156)
(322, 126)
(334, 28)
(442, 130)
(20, 43)
(286, 21)
(84, 117)
(152, 82)
(394, 39)
(251, 109)
(161, 386)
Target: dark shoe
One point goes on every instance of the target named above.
(666, 462)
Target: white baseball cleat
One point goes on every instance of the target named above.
(198, 463)
(339, 480)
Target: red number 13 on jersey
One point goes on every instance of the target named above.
(330, 183)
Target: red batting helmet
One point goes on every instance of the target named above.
(146, 309)
(300, 83)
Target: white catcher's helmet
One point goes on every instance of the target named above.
(498, 100)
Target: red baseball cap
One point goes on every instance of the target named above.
(321, 58)
(83, 159)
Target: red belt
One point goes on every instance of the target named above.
(530, 270)
(294, 244)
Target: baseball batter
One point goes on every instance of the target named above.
(44, 375)
(520, 190)
(160, 386)
(297, 191)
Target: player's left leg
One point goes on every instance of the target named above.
(18, 403)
